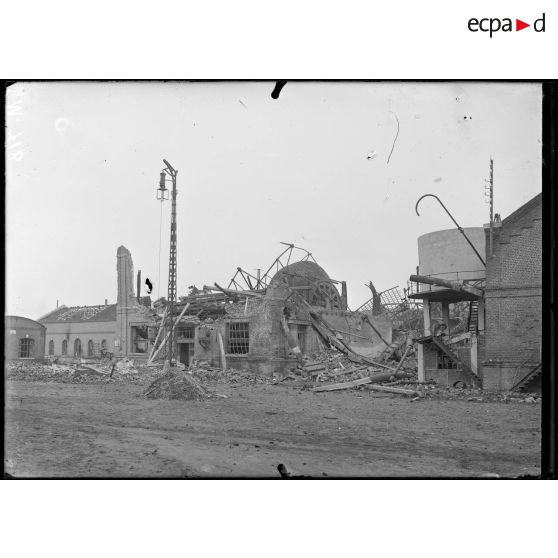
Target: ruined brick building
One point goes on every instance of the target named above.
(267, 329)
(500, 347)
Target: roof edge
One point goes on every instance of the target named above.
(24, 318)
(523, 209)
(51, 312)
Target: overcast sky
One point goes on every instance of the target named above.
(83, 164)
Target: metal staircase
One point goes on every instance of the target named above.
(471, 376)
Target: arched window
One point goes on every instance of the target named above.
(104, 345)
(77, 348)
(26, 348)
(65, 347)
(51, 347)
(90, 348)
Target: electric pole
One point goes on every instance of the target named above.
(491, 204)
(170, 171)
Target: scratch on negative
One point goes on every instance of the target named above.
(395, 138)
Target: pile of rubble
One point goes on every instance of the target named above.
(177, 384)
(37, 372)
(329, 365)
(334, 371)
(432, 390)
(78, 373)
(337, 371)
(206, 373)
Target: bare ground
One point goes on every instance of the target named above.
(107, 430)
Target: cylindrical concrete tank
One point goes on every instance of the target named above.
(446, 254)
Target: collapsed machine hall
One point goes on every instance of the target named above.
(266, 324)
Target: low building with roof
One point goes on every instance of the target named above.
(80, 330)
(119, 329)
(24, 339)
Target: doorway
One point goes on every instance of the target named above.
(186, 350)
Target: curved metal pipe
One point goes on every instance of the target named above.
(456, 223)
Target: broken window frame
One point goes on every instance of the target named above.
(78, 348)
(134, 331)
(51, 347)
(64, 347)
(238, 338)
(90, 348)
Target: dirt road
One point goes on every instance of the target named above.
(73, 430)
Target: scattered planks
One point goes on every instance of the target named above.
(314, 369)
(399, 391)
(369, 380)
(344, 385)
(379, 378)
(345, 371)
(94, 369)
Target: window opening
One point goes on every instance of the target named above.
(239, 338)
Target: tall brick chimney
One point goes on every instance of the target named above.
(125, 298)
(125, 271)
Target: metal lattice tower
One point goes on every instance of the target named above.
(172, 258)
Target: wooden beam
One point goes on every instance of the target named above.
(161, 327)
(344, 385)
(232, 292)
(386, 376)
(399, 391)
(375, 330)
(458, 286)
(407, 350)
(167, 335)
(343, 372)
(222, 352)
(351, 334)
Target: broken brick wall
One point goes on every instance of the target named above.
(129, 311)
(514, 298)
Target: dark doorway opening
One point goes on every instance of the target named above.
(185, 353)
